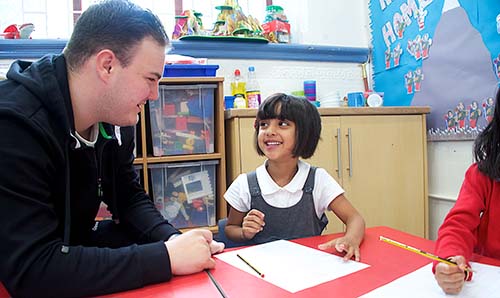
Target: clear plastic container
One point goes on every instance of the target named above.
(253, 89)
(182, 120)
(184, 193)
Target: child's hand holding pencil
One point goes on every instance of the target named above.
(449, 272)
(451, 277)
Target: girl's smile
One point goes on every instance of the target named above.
(276, 138)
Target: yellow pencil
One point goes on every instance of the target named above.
(421, 252)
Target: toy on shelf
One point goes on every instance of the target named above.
(276, 26)
(231, 22)
(18, 31)
(189, 23)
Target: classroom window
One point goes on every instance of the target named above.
(56, 19)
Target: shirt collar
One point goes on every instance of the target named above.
(94, 133)
(268, 186)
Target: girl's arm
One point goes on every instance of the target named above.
(355, 228)
(355, 224)
(242, 226)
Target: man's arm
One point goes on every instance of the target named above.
(32, 263)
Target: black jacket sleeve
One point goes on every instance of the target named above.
(31, 261)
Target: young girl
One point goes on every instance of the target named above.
(286, 198)
(472, 224)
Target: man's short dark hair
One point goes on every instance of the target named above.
(117, 25)
(299, 110)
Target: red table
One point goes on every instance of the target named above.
(386, 261)
(189, 286)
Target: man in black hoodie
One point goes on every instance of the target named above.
(66, 145)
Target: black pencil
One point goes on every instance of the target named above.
(251, 266)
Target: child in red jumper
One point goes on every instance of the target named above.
(471, 225)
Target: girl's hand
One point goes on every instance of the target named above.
(343, 244)
(451, 278)
(253, 223)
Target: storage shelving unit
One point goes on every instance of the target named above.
(146, 159)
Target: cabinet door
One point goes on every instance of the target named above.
(384, 170)
(250, 159)
(328, 156)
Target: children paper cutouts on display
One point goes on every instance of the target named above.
(461, 71)
(474, 114)
(387, 55)
(396, 54)
(409, 82)
(450, 120)
(489, 109)
(498, 23)
(426, 43)
(418, 76)
(496, 63)
(462, 122)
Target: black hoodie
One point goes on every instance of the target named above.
(49, 195)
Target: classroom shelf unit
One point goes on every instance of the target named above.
(180, 151)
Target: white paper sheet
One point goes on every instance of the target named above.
(421, 283)
(291, 266)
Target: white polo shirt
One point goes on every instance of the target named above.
(326, 189)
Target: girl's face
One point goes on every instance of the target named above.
(276, 138)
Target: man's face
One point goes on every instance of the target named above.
(132, 86)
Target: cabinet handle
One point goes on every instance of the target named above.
(349, 142)
(339, 159)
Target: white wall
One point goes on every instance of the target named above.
(447, 162)
(328, 22)
(287, 76)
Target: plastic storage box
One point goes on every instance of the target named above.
(182, 120)
(184, 193)
(190, 70)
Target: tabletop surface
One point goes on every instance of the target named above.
(387, 263)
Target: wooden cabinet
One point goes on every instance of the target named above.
(145, 154)
(378, 155)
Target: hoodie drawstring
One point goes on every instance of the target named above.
(67, 210)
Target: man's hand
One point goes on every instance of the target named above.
(192, 252)
(216, 247)
(450, 277)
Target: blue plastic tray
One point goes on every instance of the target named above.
(190, 70)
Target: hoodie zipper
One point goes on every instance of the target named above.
(98, 159)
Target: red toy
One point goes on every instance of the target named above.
(18, 32)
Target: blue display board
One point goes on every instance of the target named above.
(441, 53)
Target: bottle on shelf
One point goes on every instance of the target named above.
(239, 102)
(238, 85)
(253, 89)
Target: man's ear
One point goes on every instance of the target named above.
(105, 63)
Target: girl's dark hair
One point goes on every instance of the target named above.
(299, 110)
(117, 25)
(487, 145)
